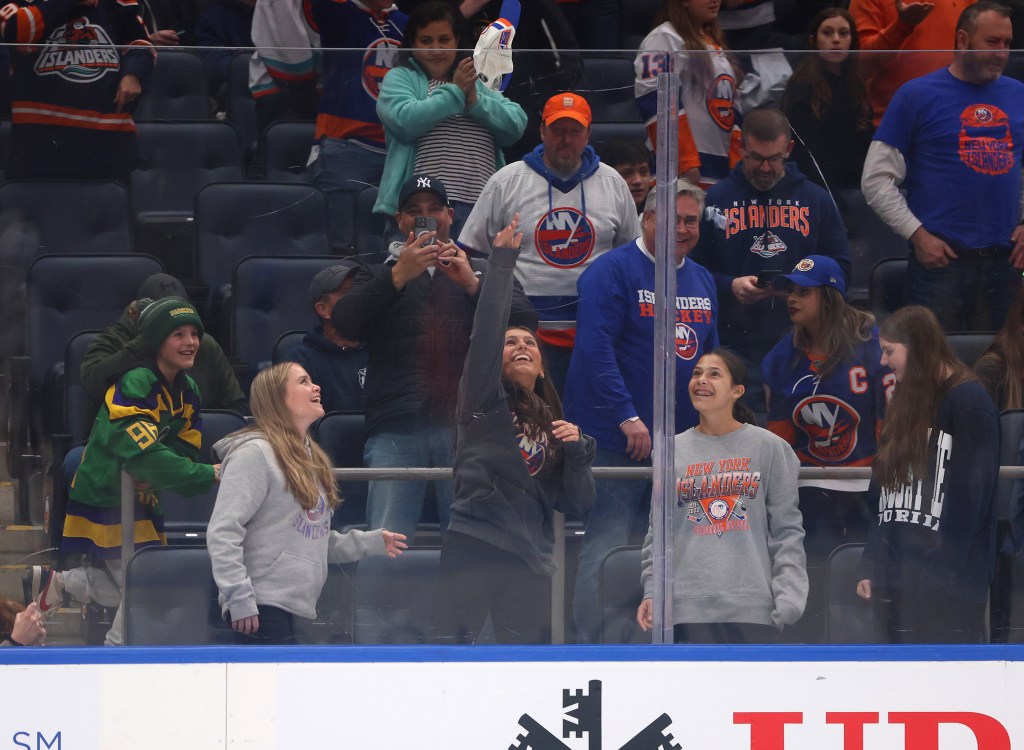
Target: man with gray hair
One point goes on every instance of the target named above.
(611, 378)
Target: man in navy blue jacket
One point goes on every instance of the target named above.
(611, 379)
(760, 220)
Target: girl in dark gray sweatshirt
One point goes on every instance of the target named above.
(739, 570)
(516, 462)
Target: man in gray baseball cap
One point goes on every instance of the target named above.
(336, 364)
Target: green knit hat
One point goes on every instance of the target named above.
(159, 319)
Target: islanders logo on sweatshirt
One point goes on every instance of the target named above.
(713, 492)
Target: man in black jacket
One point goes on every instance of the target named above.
(415, 313)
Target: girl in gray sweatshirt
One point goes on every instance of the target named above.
(270, 536)
(739, 571)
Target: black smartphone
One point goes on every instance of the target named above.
(765, 279)
(424, 224)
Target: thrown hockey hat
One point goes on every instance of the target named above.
(330, 279)
(567, 104)
(159, 319)
(418, 184)
(814, 270)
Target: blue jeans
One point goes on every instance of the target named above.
(619, 506)
(342, 171)
(396, 505)
(972, 293)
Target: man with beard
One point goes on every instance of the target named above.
(953, 139)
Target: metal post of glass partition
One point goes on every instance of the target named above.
(664, 425)
(127, 519)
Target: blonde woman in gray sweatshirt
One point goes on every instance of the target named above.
(270, 536)
(739, 567)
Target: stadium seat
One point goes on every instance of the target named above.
(179, 158)
(77, 423)
(342, 436)
(603, 132)
(637, 21)
(848, 618)
(285, 343)
(1011, 434)
(29, 226)
(170, 599)
(186, 518)
(176, 90)
(241, 109)
(286, 146)
(885, 289)
(608, 87)
(969, 346)
(1009, 527)
(5, 143)
(67, 294)
(871, 240)
(242, 219)
(394, 598)
(269, 297)
(621, 594)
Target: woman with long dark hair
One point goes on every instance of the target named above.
(270, 536)
(827, 103)
(1001, 368)
(709, 133)
(827, 393)
(739, 572)
(432, 101)
(931, 553)
(517, 461)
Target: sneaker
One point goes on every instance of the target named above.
(47, 589)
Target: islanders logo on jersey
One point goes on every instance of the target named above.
(564, 237)
(79, 52)
(830, 425)
(313, 515)
(986, 145)
(717, 515)
(378, 59)
(686, 342)
(720, 97)
(768, 245)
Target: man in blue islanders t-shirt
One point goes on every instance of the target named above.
(953, 139)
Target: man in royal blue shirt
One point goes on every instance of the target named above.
(953, 139)
(610, 392)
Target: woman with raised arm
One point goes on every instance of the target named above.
(931, 552)
(739, 573)
(516, 463)
(270, 536)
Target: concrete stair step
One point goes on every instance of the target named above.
(22, 538)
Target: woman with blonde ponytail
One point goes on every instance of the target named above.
(270, 536)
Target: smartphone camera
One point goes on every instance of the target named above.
(424, 224)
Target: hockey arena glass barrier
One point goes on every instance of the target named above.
(200, 206)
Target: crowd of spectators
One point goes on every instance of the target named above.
(762, 253)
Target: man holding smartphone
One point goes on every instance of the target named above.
(415, 313)
(761, 219)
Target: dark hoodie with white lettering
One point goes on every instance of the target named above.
(745, 231)
(937, 535)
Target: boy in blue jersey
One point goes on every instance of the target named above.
(609, 389)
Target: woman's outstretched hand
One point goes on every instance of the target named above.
(509, 237)
(394, 543)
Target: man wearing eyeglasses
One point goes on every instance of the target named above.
(760, 220)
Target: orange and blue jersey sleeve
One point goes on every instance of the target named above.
(138, 55)
(28, 24)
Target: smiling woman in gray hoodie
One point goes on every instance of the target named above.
(270, 536)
